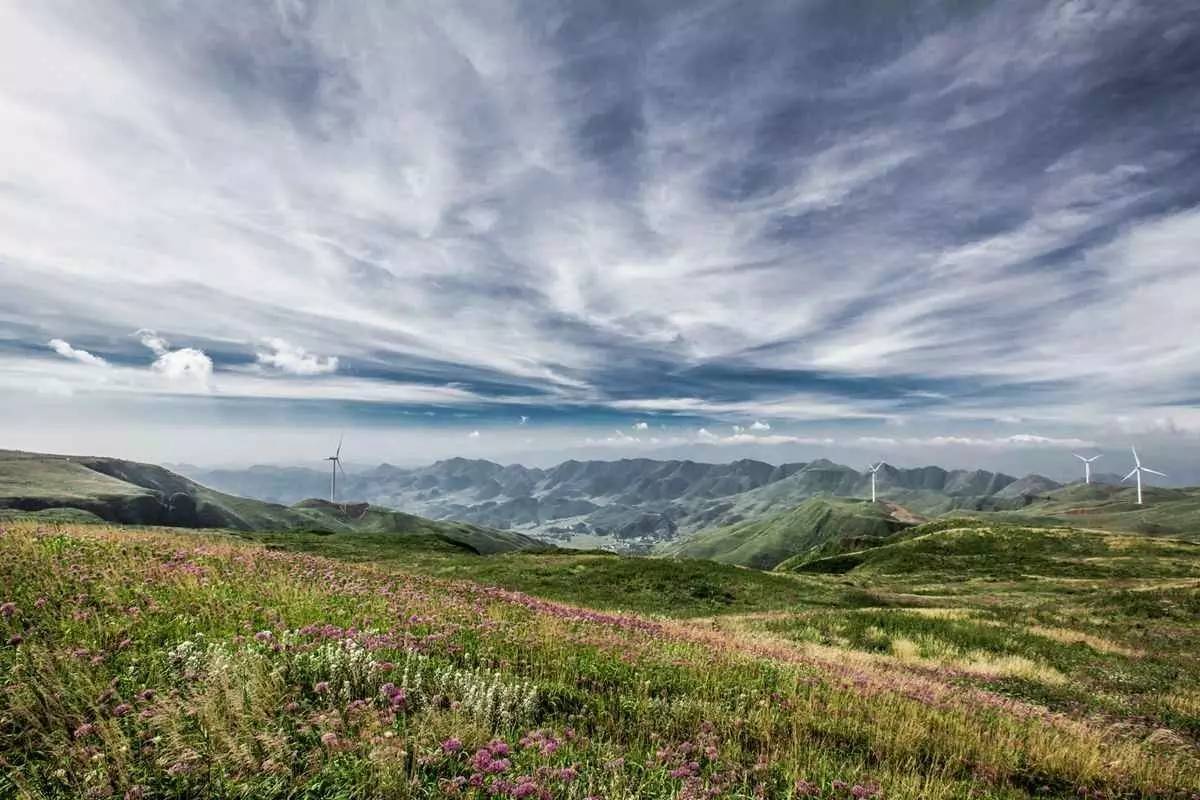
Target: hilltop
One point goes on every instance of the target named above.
(114, 490)
(817, 526)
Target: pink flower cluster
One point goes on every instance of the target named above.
(491, 769)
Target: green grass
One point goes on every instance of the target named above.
(818, 525)
(160, 664)
(674, 588)
(58, 487)
(1010, 551)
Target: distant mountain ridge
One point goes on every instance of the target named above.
(630, 503)
(115, 490)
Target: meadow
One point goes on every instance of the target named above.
(145, 663)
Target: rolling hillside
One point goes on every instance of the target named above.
(965, 549)
(145, 494)
(817, 526)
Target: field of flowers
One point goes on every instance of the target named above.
(146, 664)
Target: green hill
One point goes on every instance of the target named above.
(978, 549)
(818, 526)
(114, 490)
(1166, 512)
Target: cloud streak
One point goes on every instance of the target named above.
(711, 216)
(82, 356)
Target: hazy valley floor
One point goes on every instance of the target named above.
(156, 663)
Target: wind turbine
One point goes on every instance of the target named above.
(1138, 469)
(336, 458)
(1087, 466)
(874, 470)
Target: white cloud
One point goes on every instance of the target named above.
(473, 435)
(1015, 441)
(456, 243)
(524, 420)
(82, 356)
(295, 360)
(759, 425)
(641, 426)
(152, 340)
(186, 365)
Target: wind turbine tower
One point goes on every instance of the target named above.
(1138, 469)
(1087, 466)
(336, 458)
(873, 470)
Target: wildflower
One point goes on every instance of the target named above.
(451, 746)
(8, 609)
(329, 739)
(15, 639)
(321, 687)
(135, 793)
(806, 789)
(122, 709)
(262, 636)
(84, 730)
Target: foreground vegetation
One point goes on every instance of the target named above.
(138, 663)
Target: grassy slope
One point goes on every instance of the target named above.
(133, 492)
(765, 543)
(295, 713)
(1167, 512)
(1003, 551)
(674, 588)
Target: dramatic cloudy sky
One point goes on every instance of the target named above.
(945, 231)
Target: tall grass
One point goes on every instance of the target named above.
(143, 664)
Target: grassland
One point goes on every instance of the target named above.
(152, 663)
(820, 525)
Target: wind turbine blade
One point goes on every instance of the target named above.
(1154, 471)
(1131, 473)
(1081, 458)
(1093, 458)
(338, 452)
(1136, 460)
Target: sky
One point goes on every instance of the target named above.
(956, 232)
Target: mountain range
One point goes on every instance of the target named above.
(85, 488)
(630, 504)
